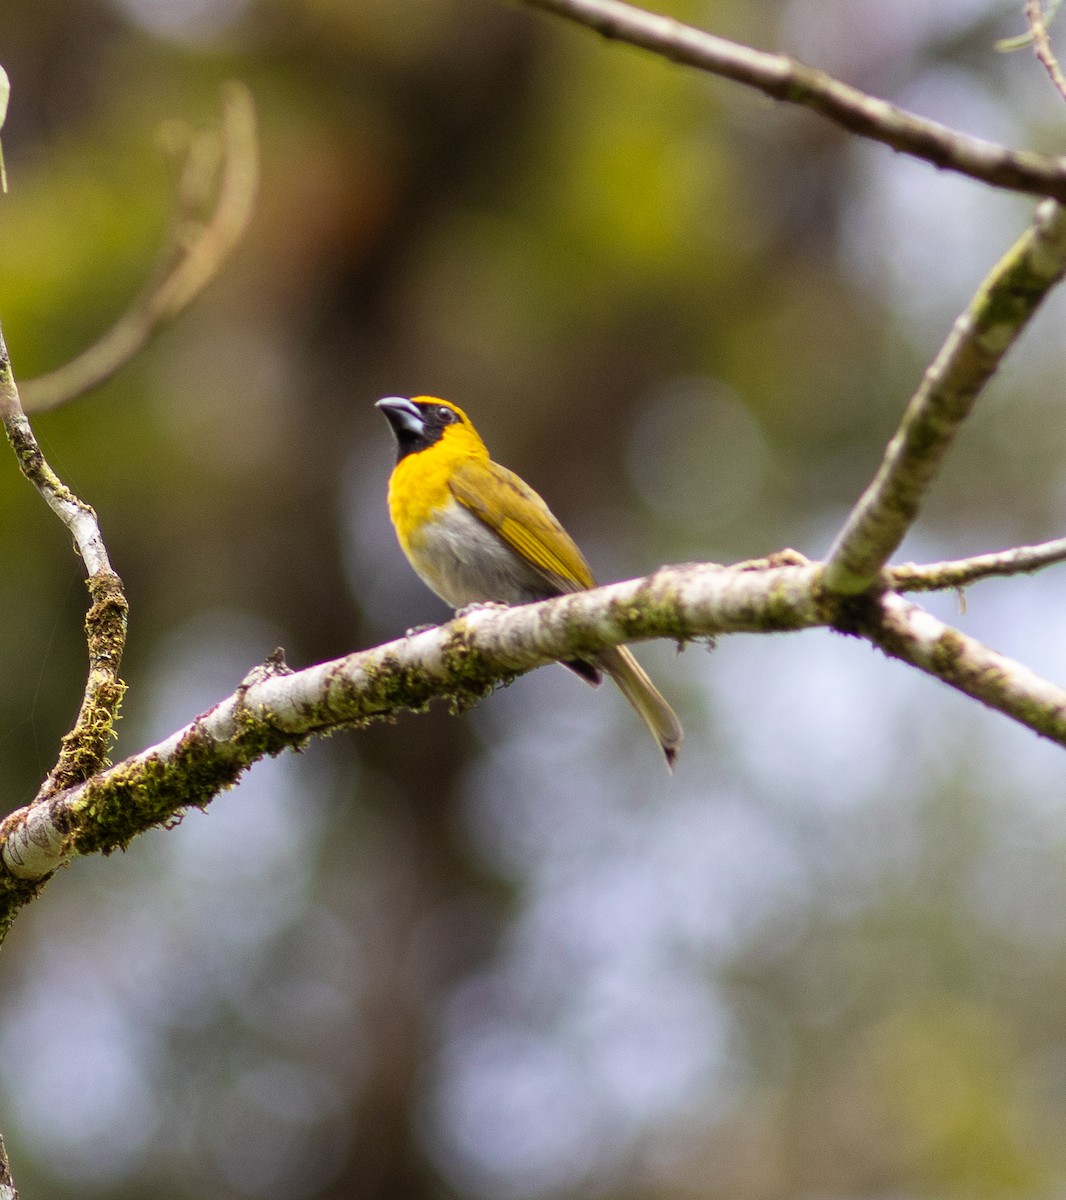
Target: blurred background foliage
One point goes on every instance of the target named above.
(505, 957)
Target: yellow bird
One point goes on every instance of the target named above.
(475, 533)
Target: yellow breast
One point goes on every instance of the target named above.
(418, 488)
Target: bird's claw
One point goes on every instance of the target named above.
(480, 606)
(417, 629)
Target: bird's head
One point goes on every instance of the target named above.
(423, 421)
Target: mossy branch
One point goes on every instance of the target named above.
(275, 709)
(976, 345)
(85, 748)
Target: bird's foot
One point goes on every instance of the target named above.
(417, 629)
(480, 606)
(779, 558)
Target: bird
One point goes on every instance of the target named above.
(476, 533)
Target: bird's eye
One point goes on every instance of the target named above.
(445, 415)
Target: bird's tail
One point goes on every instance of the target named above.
(638, 689)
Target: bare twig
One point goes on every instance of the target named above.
(940, 576)
(1008, 45)
(1034, 14)
(85, 748)
(783, 78)
(201, 251)
(980, 338)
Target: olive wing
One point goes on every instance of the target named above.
(521, 519)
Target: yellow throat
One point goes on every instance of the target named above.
(418, 487)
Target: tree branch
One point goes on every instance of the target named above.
(1034, 14)
(8, 1191)
(783, 78)
(85, 748)
(201, 250)
(980, 337)
(915, 636)
(977, 343)
(958, 573)
(275, 708)
(459, 663)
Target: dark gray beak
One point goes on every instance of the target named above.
(403, 415)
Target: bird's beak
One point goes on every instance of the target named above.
(403, 415)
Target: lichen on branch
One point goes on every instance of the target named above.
(973, 350)
(275, 709)
(84, 749)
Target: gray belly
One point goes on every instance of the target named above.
(464, 562)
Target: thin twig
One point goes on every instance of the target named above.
(85, 748)
(957, 573)
(783, 78)
(1034, 14)
(978, 341)
(1008, 45)
(201, 251)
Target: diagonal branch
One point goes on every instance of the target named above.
(977, 344)
(460, 662)
(201, 250)
(907, 632)
(275, 708)
(783, 78)
(85, 748)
